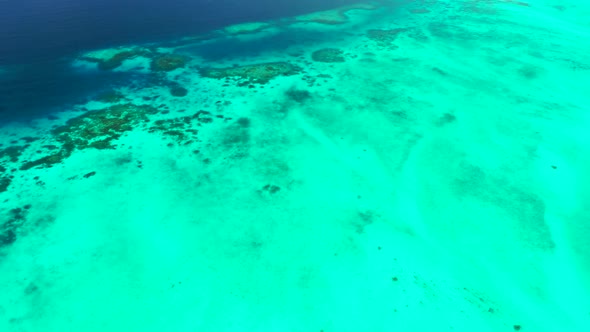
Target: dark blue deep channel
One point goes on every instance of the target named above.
(38, 37)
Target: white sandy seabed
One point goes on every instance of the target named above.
(437, 182)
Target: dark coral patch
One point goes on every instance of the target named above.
(446, 119)
(297, 95)
(181, 129)
(384, 37)
(168, 62)
(178, 91)
(12, 222)
(87, 175)
(419, 11)
(12, 153)
(271, 188)
(4, 184)
(117, 60)
(29, 139)
(257, 73)
(102, 124)
(237, 133)
(328, 55)
(110, 97)
(94, 129)
(526, 208)
(46, 161)
(243, 122)
(7, 237)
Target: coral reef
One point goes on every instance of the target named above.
(335, 16)
(271, 188)
(297, 95)
(328, 55)
(168, 62)
(47, 161)
(29, 139)
(7, 237)
(94, 129)
(245, 28)
(178, 91)
(12, 153)
(4, 184)
(111, 59)
(526, 208)
(329, 17)
(257, 73)
(8, 230)
(87, 175)
(110, 97)
(181, 129)
(384, 37)
(237, 134)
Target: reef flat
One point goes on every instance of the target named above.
(357, 169)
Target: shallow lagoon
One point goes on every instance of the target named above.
(391, 166)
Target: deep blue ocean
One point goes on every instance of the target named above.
(39, 37)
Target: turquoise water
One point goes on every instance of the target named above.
(416, 166)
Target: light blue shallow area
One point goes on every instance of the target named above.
(427, 172)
